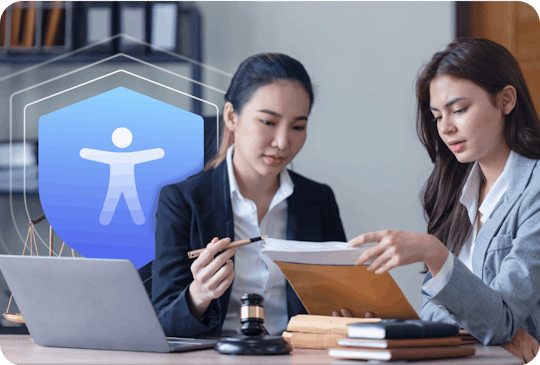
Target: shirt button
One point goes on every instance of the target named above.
(443, 308)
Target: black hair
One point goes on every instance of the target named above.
(257, 71)
(261, 70)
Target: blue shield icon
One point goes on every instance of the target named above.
(102, 163)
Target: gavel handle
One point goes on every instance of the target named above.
(264, 329)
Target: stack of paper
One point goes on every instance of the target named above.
(314, 253)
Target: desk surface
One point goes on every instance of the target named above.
(20, 349)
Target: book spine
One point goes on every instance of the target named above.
(405, 343)
(52, 23)
(29, 25)
(397, 329)
(314, 327)
(3, 28)
(324, 324)
(311, 340)
(403, 354)
(16, 15)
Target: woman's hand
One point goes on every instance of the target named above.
(398, 248)
(211, 276)
(344, 312)
(523, 346)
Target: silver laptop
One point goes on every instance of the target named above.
(88, 303)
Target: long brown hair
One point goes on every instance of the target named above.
(492, 67)
(254, 72)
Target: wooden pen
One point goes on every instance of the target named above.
(247, 241)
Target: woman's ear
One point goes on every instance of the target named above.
(229, 116)
(508, 98)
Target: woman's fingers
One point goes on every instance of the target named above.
(207, 256)
(214, 240)
(213, 282)
(536, 351)
(366, 238)
(382, 258)
(397, 248)
(212, 268)
(529, 357)
(343, 312)
(220, 260)
(214, 247)
(370, 253)
(389, 265)
(348, 314)
(523, 346)
(533, 350)
(224, 285)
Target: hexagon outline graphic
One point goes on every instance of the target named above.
(77, 70)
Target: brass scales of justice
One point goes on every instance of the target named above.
(31, 238)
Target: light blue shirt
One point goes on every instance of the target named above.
(254, 271)
(469, 198)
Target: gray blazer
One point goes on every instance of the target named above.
(502, 293)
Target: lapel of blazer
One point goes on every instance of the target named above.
(216, 220)
(521, 174)
(303, 215)
(216, 217)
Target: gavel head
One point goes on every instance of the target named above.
(252, 315)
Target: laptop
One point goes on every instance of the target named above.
(88, 303)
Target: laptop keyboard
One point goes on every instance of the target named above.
(182, 345)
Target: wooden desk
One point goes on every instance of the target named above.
(20, 349)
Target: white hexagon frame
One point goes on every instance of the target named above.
(82, 84)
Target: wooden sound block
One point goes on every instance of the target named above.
(14, 317)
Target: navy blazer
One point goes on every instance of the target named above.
(194, 211)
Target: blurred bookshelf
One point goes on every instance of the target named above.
(27, 28)
(37, 31)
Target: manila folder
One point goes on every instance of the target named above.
(327, 288)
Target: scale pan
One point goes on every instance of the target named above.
(14, 317)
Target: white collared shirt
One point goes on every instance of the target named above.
(469, 198)
(255, 272)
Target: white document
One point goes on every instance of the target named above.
(315, 253)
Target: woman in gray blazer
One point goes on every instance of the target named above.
(476, 119)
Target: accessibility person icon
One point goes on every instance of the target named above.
(122, 179)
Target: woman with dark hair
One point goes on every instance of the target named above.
(477, 121)
(245, 191)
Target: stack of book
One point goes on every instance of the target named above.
(390, 340)
(319, 332)
(31, 25)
